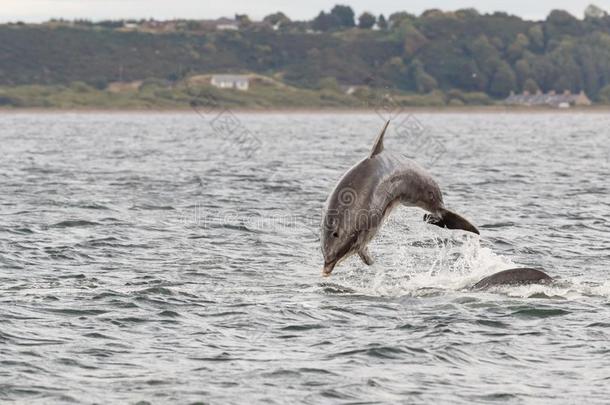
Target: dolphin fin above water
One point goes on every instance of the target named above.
(378, 146)
(450, 220)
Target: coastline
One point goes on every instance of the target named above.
(312, 110)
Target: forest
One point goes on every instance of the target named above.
(437, 52)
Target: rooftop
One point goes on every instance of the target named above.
(551, 98)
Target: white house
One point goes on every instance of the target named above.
(220, 24)
(226, 24)
(565, 100)
(239, 82)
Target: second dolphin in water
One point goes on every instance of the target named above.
(513, 277)
(368, 192)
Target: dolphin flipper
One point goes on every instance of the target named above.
(365, 256)
(451, 220)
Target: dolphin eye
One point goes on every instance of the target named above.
(335, 234)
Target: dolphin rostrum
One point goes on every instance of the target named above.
(368, 192)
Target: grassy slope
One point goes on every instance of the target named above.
(182, 95)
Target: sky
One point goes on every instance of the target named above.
(42, 10)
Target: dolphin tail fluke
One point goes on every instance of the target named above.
(451, 220)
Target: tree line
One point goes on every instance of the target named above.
(461, 50)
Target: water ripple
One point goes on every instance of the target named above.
(142, 263)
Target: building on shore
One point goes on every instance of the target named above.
(220, 24)
(160, 26)
(239, 82)
(230, 25)
(566, 99)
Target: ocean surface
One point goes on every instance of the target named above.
(175, 258)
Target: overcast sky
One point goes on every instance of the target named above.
(42, 10)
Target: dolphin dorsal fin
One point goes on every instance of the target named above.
(378, 146)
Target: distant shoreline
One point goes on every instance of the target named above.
(313, 110)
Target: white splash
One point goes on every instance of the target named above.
(416, 259)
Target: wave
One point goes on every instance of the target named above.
(426, 261)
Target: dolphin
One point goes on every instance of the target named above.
(513, 277)
(365, 196)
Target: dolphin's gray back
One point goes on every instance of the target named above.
(514, 277)
(405, 179)
(379, 182)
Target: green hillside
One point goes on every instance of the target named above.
(434, 58)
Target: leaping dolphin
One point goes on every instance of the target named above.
(366, 195)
